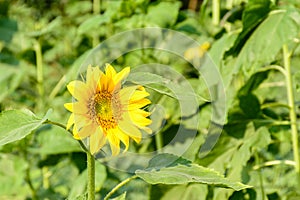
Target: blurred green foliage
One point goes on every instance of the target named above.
(255, 147)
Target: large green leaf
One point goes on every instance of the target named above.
(17, 124)
(179, 172)
(254, 13)
(180, 91)
(281, 27)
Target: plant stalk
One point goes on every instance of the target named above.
(91, 176)
(39, 68)
(291, 102)
(119, 186)
(216, 12)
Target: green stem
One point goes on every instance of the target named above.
(91, 176)
(64, 127)
(275, 162)
(158, 141)
(216, 12)
(96, 6)
(28, 180)
(58, 86)
(119, 186)
(39, 67)
(261, 183)
(293, 117)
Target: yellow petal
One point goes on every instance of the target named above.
(146, 129)
(75, 132)
(103, 83)
(110, 71)
(131, 130)
(89, 72)
(70, 121)
(138, 95)
(76, 107)
(140, 120)
(69, 106)
(114, 143)
(123, 137)
(121, 75)
(97, 140)
(95, 78)
(126, 93)
(79, 90)
(86, 131)
(138, 104)
(140, 112)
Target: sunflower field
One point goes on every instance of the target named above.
(149, 99)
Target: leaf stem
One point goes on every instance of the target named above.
(215, 12)
(39, 68)
(274, 162)
(64, 127)
(91, 176)
(291, 102)
(261, 183)
(119, 186)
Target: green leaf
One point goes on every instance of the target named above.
(157, 13)
(184, 172)
(17, 124)
(7, 28)
(250, 105)
(253, 83)
(92, 23)
(150, 80)
(56, 140)
(280, 27)
(255, 12)
(166, 160)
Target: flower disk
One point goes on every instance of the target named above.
(105, 110)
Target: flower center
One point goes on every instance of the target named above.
(106, 109)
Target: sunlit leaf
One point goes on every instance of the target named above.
(280, 27)
(187, 173)
(17, 124)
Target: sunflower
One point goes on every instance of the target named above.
(106, 111)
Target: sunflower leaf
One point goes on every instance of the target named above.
(17, 124)
(185, 172)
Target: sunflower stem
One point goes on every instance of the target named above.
(91, 176)
(158, 141)
(293, 117)
(119, 186)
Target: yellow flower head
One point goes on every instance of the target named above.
(105, 110)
